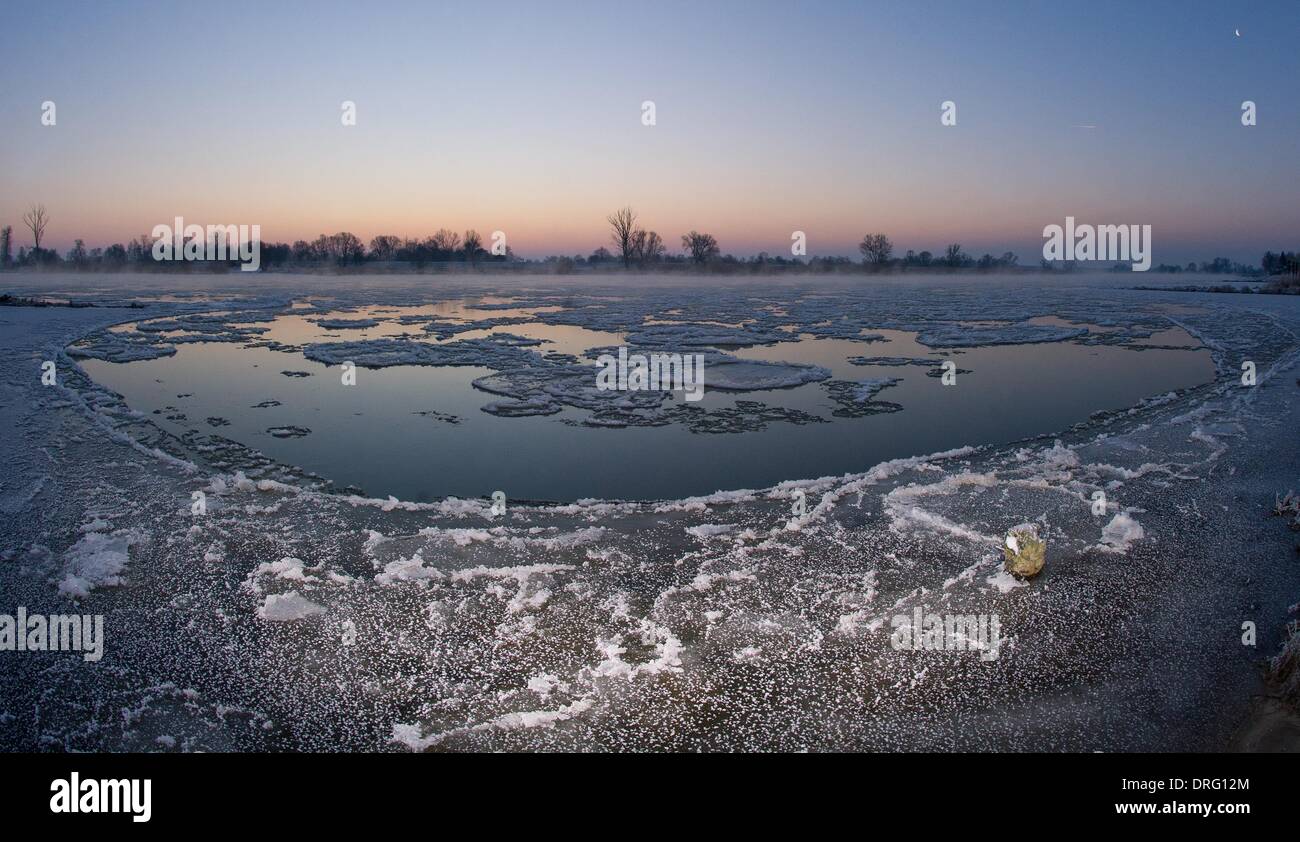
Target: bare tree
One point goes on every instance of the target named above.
(6, 246)
(701, 247)
(654, 247)
(446, 241)
(647, 246)
(346, 247)
(876, 248)
(473, 244)
(385, 246)
(36, 219)
(623, 233)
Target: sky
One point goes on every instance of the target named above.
(821, 117)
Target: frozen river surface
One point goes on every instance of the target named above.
(289, 612)
(468, 395)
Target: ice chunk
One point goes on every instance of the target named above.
(97, 560)
(753, 375)
(288, 606)
(1118, 535)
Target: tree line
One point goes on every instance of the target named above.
(633, 248)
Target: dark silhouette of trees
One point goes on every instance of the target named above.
(274, 254)
(876, 249)
(473, 246)
(622, 233)
(636, 246)
(342, 249)
(445, 241)
(384, 247)
(700, 247)
(418, 252)
(1282, 263)
(36, 219)
(647, 247)
(6, 246)
(115, 256)
(348, 248)
(633, 244)
(139, 250)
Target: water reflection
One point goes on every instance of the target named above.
(419, 433)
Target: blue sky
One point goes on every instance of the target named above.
(771, 117)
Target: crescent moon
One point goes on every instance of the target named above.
(1238, 32)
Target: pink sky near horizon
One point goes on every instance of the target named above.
(539, 219)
